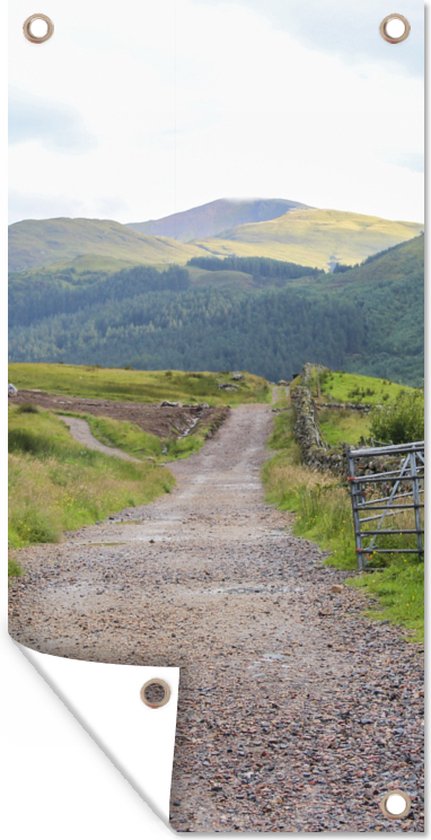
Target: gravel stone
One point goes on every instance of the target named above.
(296, 712)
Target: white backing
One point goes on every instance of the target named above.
(105, 699)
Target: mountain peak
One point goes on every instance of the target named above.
(217, 216)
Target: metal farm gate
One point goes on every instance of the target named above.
(392, 486)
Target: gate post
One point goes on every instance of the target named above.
(354, 492)
(417, 503)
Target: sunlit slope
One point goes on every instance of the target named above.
(313, 237)
(89, 244)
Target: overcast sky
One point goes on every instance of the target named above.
(140, 109)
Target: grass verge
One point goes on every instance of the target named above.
(321, 505)
(56, 485)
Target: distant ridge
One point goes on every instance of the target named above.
(311, 236)
(303, 235)
(216, 217)
(89, 244)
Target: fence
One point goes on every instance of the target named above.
(390, 492)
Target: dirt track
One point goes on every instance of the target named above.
(162, 420)
(296, 713)
(81, 431)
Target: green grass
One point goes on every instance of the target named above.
(322, 508)
(126, 436)
(281, 435)
(14, 569)
(55, 484)
(356, 388)
(132, 439)
(138, 385)
(340, 426)
(400, 590)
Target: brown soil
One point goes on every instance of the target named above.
(164, 421)
(296, 713)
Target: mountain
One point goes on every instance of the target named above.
(212, 219)
(88, 244)
(254, 314)
(302, 235)
(313, 237)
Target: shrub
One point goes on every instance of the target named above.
(399, 421)
(23, 440)
(28, 408)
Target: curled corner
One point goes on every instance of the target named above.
(106, 700)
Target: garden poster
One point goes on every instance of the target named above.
(216, 478)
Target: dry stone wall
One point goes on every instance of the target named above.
(314, 453)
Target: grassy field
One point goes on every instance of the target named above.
(138, 385)
(339, 425)
(348, 425)
(355, 388)
(323, 514)
(56, 485)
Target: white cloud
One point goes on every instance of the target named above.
(350, 29)
(192, 100)
(57, 126)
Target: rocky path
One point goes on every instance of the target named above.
(296, 713)
(80, 430)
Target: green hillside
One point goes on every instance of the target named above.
(241, 314)
(313, 237)
(88, 244)
(338, 386)
(302, 235)
(387, 293)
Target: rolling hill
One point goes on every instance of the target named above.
(215, 217)
(313, 237)
(88, 244)
(260, 315)
(302, 235)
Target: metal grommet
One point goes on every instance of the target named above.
(385, 28)
(28, 31)
(396, 804)
(155, 693)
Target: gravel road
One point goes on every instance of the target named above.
(296, 713)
